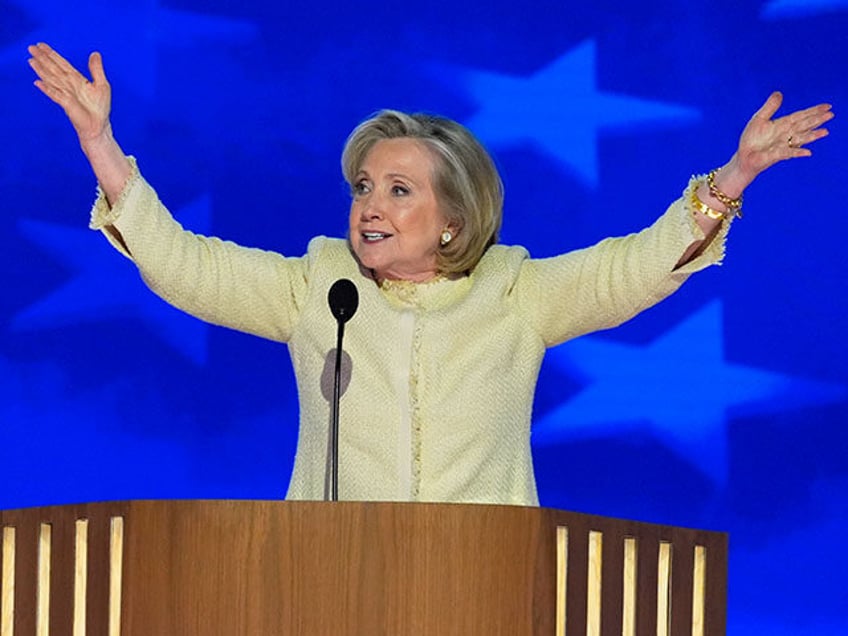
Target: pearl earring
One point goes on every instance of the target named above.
(446, 238)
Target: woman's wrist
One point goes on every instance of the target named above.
(98, 144)
(721, 190)
(109, 163)
(731, 178)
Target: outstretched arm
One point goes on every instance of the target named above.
(764, 142)
(87, 105)
(604, 285)
(246, 289)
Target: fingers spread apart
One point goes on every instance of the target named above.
(805, 126)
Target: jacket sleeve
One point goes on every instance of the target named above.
(247, 289)
(607, 284)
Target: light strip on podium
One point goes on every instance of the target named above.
(628, 602)
(80, 575)
(7, 600)
(593, 584)
(42, 612)
(664, 589)
(699, 590)
(116, 572)
(561, 578)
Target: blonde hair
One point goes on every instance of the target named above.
(465, 180)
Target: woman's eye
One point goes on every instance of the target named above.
(400, 190)
(360, 188)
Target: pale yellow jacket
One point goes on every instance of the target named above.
(438, 378)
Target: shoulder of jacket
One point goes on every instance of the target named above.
(502, 258)
(331, 257)
(320, 244)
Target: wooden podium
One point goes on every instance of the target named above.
(232, 568)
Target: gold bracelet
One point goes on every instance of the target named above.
(734, 206)
(702, 207)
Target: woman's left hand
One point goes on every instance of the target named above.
(766, 141)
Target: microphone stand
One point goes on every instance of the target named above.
(334, 427)
(343, 299)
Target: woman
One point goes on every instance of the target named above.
(446, 346)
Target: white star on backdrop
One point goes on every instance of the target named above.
(106, 286)
(679, 387)
(561, 109)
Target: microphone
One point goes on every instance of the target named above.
(343, 299)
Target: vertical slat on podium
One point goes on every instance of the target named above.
(681, 583)
(99, 540)
(594, 583)
(646, 575)
(561, 579)
(42, 585)
(613, 582)
(699, 599)
(578, 567)
(715, 618)
(116, 573)
(7, 578)
(80, 585)
(665, 562)
(26, 570)
(630, 580)
(97, 598)
(62, 523)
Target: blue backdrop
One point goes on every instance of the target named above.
(724, 407)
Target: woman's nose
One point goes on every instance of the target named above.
(371, 208)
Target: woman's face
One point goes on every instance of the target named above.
(395, 220)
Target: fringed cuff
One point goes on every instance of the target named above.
(713, 253)
(102, 214)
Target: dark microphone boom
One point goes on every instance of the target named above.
(343, 299)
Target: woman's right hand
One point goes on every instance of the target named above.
(86, 103)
